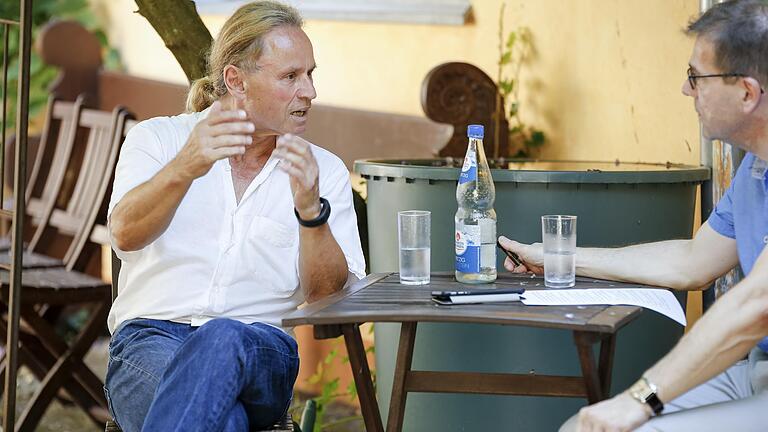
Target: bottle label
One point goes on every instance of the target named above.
(468, 248)
(469, 169)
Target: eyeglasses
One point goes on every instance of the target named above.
(692, 77)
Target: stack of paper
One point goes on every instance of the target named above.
(659, 300)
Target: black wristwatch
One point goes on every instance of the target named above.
(325, 213)
(646, 392)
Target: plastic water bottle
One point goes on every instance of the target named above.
(475, 219)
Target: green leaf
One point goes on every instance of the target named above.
(331, 355)
(101, 36)
(506, 86)
(319, 414)
(352, 390)
(318, 375)
(35, 65)
(112, 60)
(513, 108)
(511, 39)
(69, 7)
(538, 138)
(505, 58)
(13, 71)
(329, 389)
(86, 18)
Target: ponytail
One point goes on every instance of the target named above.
(201, 95)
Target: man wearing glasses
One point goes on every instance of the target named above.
(716, 378)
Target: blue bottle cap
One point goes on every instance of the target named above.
(475, 131)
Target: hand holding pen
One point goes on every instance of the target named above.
(522, 258)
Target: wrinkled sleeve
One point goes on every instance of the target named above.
(141, 157)
(337, 189)
(721, 218)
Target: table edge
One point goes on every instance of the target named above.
(334, 298)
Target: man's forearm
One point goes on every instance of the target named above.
(724, 335)
(679, 264)
(322, 265)
(145, 212)
(638, 263)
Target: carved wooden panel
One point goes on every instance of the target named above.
(77, 53)
(461, 94)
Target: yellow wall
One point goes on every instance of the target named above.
(606, 79)
(605, 84)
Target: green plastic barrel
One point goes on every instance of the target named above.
(617, 204)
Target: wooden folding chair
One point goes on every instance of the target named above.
(71, 215)
(59, 137)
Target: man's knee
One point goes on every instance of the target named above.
(221, 340)
(223, 330)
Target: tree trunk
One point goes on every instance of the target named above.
(179, 25)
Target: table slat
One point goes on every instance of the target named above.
(492, 383)
(381, 298)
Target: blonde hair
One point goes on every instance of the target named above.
(239, 43)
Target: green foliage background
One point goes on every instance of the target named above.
(514, 52)
(41, 75)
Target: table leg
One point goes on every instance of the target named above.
(362, 375)
(607, 348)
(584, 342)
(402, 369)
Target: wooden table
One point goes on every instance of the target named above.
(381, 298)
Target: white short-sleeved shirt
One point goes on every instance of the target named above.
(218, 258)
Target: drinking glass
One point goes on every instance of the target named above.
(413, 232)
(558, 233)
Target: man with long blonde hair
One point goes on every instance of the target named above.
(222, 219)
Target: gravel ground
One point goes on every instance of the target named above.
(60, 418)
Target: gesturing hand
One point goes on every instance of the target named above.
(532, 256)
(297, 160)
(221, 135)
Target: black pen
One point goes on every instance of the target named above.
(513, 256)
(477, 292)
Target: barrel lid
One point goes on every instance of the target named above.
(538, 171)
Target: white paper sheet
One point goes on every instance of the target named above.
(659, 300)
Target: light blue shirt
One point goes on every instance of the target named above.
(742, 214)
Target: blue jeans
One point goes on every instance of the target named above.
(221, 376)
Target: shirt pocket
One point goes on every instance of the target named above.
(274, 253)
(274, 233)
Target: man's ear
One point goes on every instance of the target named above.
(234, 79)
(752, 94)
